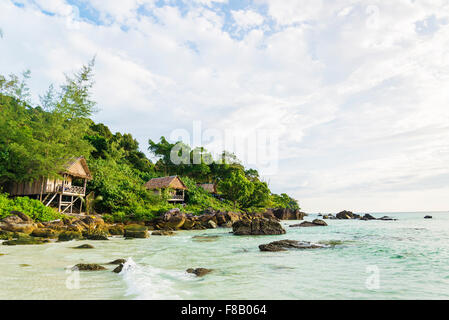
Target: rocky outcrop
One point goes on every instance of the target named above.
(257, 227)
(18, 222)
(428, 217)
(45, 233)
(314, 223)
(284, 245)
(367, 217)
(199, 272)
(136, 231)
(345, 215)
(119, 268)
(288, 214)
(118, 261)
(387, 218)
(174, 219)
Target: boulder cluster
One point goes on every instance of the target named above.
(348, 215)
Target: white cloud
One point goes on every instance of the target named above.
(247, 18)
(357, 94)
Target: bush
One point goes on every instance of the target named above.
(31, 207)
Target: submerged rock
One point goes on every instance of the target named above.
(428, 217)
(85, 246)
(25, 241)
(256, 227)
(117, 230)
(199, 272)
(205, 238)
(367, 217)
(96, 235)
(88, 267)
(284, 245)
(387, 218)
(162, 233)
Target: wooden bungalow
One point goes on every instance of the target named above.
(173, 185)
(66, 190)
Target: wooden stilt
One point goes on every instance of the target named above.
(71, 205)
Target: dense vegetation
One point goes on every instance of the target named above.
(33, 208)
(35, 142)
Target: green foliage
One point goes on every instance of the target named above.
(198, 199)
(283, 201)
(237, 188)
(31, 207)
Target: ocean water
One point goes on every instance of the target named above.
(404, 259)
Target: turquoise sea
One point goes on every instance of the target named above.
(404, 259)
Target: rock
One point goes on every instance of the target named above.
(55, 225)
(257, 227)
(96, 234)
(24, 265)
(119, 268)
(22, 216)
(211, 224)
(199, 272)
(428, 217)
(70, 235)
(288, 214)
(284, 245)
(85, 246)
(232, 216)
(88, 267)
(174, 218)
(19, 227)
(12, 220)
(345, 215)
(162, 233)
(45, 233)
(189, 224)
(319, 222)
(6, 235)
(314, 223)
(367, 217)
(387, 218)
(136, 231)
(116, 230)
(205, 238)
(118, 261)
(221, 218)
(25, 241)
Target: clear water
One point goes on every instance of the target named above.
(405, 259)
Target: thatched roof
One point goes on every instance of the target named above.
(77, 167)
(209, 187)
(173, 182)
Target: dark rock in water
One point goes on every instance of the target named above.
(345, 215)
(314, 223)
(205, 238)
(96, 235)
(199, 272)
(174, 219)
(45, 233)
(428, 217)
(24, 265)
(367, 217)
(88, 267)
(257, 227)
(84, 246)
(284, 245)
(116, 230)
(119, 268)
(386, 218)
(162, 233)
(136, 231)
(118, 261)
(70, 235)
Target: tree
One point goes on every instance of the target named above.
(237, 188)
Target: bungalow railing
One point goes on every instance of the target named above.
(176, 197)
(71, 189)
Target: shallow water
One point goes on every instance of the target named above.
(404, 259)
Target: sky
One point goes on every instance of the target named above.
(346, 101)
